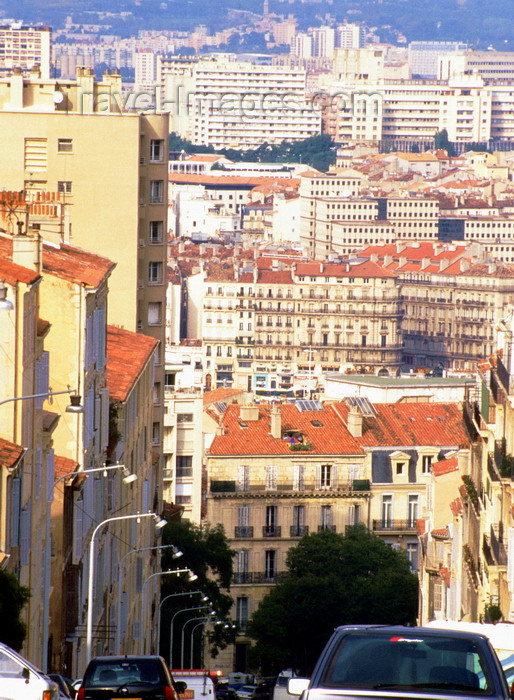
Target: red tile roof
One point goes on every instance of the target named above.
(220, 394)
(399, 425)
(127, 355)
(9, 453)
(445, 466)
(232, 180)
(64, 466)
(11, 273)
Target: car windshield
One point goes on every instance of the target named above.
(123, 672)
(381, 660)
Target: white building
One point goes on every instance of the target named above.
(145, 70)
(350, 36)
(423, 56)
(27, 48)
(220, 102)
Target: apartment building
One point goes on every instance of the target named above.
(224, 103)
(60, 136)
(467, 541)
(27, 48)
(493, 66)
(335, 219)
(452, 297)
(276, 326)
(423, 56)
(495, 232)
(279, 472)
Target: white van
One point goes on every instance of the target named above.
(200, 685)
(20, 680)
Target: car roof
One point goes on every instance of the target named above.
(402, 629)
(128, 657)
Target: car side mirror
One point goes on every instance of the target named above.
(180, 686)
(26, 674)
(296, 686)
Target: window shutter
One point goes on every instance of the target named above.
(38, 476)
(104, 418)
(15, 511)
(25, 533)
(271, 477)
(50, 471)
(77, 534)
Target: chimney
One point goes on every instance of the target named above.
(16, 81)
(27, 249)
(354, 422)
(276, 422)
(220, 430)
(249, 413)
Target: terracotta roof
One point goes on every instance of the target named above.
(440, 532)
(456, 506)
(10, 453)
(275, 277)
(368, 268)
(127, 354)
(11, 273)
(445, 466)
(220, 394)
(399, 425)
(232, 180)
(63, 466)
(65, 261)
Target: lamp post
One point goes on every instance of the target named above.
(127, 478)
(74, 407)
(197, 607)
(191, 577)
(204, 618)
(173, 595)
(176, 554)
(89, 621)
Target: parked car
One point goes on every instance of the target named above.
(223, 692)
(264, 690)
(246, 692)
(66, 689)
(143, 677)
(374, 661)
(20, 680)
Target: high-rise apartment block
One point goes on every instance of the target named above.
(225, 103)
(27, 48)
(350, 36)
(423, 56)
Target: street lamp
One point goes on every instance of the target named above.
(176, 554)
(197, 607)
(74, 407)
(191, 577)
(174, 595)
(5, 304)
(159, 523)
(204, 619)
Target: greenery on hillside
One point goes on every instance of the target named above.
(334, 579)
(317, 151)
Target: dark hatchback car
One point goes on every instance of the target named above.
(124, 677)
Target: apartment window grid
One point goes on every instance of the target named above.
(155, 232)
(64, 186)
(426, 464)
(154, 313)
(242, 574)
(64, 145)
(184, 466)
(156, 191)
(242, 612)
(298, 527)
(270, 564)
(413, 508)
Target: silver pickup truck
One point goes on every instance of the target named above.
(375, 661)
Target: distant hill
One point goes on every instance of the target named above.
(480, 23)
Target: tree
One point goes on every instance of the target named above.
(13, 597)
(442, 141)
(333, 580)
(205, 551)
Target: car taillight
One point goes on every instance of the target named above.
(169, 693)
(81, 694)
(47, 695)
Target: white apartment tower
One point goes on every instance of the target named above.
(350, 36)
(145, 70)
(26, 48)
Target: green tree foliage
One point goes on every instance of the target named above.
(13, 597)
(333, 580)
(206, 552)
(441, 140)
(318, 151)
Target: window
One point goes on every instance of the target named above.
(64, 186)
(218, 351)
(412, 555)
(241, 572)
(426, 464)
(242, 612)
(64, 145)
(184, 465)
(154, 313)
(325, 476)
(35, 155)
(298, 528)
(270, 564)
(298, 477)
(438, 595)
(243, 477)
(208, 351)
(326, 518)
(156, 191)
(184, 417)
(156, 433)
(271, 521)
(157, 398)
(155, 272)
(387, 510)
(271, 477)
(412, 514)
(399, 468)
(156, 150)
(155, 232)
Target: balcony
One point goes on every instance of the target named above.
(271, 531)
(253, 577)
(243, 531)
(330, 528)
(359, 487)
(394, 526)
(298, 530)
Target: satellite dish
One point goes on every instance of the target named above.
(58, 97)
